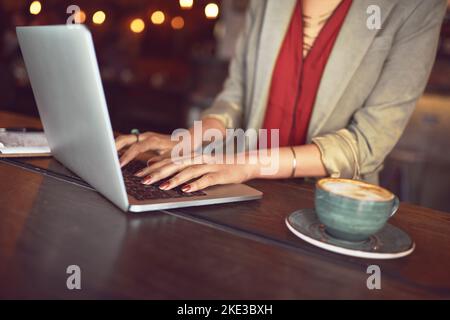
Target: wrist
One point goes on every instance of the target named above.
(197, 132)
(210, 122)
(253, 165)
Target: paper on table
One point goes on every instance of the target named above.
(23, 143)
(25, 150)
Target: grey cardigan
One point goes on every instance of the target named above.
(369, 88)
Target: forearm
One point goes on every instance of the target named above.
(212, 123)
(309, 163)
(207, 123)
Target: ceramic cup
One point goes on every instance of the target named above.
(353, 210)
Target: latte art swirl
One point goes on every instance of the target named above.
(356, 189)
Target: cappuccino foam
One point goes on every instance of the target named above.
(356, 189)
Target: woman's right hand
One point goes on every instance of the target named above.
(148, 141)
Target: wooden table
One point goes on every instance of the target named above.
(234, 251)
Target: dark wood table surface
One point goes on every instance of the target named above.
(233, 251)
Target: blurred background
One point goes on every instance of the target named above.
(163, 61)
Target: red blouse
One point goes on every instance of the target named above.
(296, 80)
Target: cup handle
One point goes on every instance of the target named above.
(395, 206)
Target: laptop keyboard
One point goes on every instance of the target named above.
(143, 192)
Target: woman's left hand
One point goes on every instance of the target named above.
(200, 172)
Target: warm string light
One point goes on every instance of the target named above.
(99, 17)
(137, 25)
(211, 11)
(158, 17)
(35, 7)
(80, 17)
(186, 4)
(177, 23)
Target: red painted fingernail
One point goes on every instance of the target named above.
(165, 185)
(147, 181)
(186, 188)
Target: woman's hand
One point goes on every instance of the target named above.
(199, 172)
(148, 141)
(160, 143)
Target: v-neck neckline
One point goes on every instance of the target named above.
(319, 37)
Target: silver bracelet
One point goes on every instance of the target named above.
(294, 163)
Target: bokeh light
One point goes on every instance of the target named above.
(99, 17)
(137, 25)
(80, 17)
(35, 7)
(186, 4)
(177, 23)
(211, 11)
(158, 17)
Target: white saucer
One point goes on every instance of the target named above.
(389, 243)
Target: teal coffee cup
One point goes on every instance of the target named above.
(353, 210)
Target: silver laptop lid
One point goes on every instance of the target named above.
(67, 87)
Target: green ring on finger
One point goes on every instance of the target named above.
(137, 133)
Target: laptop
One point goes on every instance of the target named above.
(63, 70)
